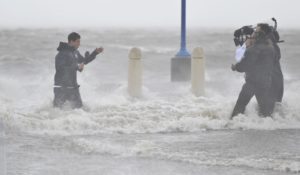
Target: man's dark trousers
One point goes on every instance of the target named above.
(62, 94)
(263, 96)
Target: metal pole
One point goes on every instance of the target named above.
(183, 51)
(181, 63)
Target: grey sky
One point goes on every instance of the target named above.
(145, 13)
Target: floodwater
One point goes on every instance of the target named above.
(166, 131)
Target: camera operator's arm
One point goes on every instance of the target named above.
(249, 42)
(240, 52)
(91, 57)
(247, 62)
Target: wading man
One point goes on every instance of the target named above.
(258, 64)
(67, 62)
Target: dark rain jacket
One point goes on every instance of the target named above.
(277, 80)
(66, 65)
(258, 63)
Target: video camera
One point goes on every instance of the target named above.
(245, 32)
(242, 34)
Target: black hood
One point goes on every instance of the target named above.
(65, 46)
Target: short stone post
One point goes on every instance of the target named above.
(198, 72)
(135, 72)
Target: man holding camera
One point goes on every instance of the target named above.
(67, 62)
(258, 64)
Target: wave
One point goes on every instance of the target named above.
(151, 149)
(151, 49)
(4, 59)
(118, 113)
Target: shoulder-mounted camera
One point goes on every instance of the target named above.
(245, 32)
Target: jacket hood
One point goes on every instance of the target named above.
(65, 46)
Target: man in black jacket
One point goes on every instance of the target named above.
(277, 79)
(258, 64)
(67, 62)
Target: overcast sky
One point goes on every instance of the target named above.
(146, 13)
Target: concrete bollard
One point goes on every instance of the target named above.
(135, 72)
(198, 72)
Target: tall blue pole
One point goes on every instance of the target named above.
(181, 63)
(183, 51)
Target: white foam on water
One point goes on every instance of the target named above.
(2, 149)
(119, 113)
(26, 80)
(151, 149)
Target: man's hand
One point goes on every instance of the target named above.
(80, 67)
(99, 50)
(233, 67)
(249, 42)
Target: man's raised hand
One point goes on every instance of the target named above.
(99, 50)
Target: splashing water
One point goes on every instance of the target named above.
(167, 128)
